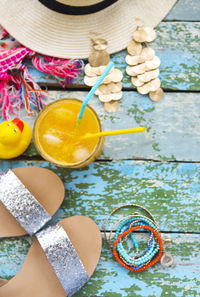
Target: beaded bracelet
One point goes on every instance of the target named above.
(124, 228)
(148, 259)
(152, 249)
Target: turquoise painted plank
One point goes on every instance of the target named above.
(185, 10)
(178, 46)
(13, 253)
(171, 191)
(172, 126)
(110, 279)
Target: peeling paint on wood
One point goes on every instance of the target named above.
(178, 46)
(171, 191)
(185, 10)
(172, 126)
(110, 279)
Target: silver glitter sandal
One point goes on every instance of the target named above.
(59, 262)
(29, 197)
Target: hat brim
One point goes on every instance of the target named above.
(66, 36)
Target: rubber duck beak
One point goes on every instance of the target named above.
(19, 124)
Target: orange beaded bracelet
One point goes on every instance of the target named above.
(154, 261)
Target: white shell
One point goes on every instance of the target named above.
(140, 35)
(110, 97)
(151, 34)
(90, 81)
(147, 54)
(139, 69)
(107, 79)
(116, 75)
(147, 76)
(136, 82)
(106, 89)
(117, 96)
(157, 96)
(105, 98)
(103, 89)
(145, 89)
(99, 70)
(154, 84)
(129, 71)
(89, 71)
(153, 64)
(95, 71)
(134, 60)
(134, 48)
(97, 92)
(115, 87)
(111, 106)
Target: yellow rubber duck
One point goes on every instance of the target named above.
(15, 137)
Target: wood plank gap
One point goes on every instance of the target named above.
(126, 89)
(180, 21)
(147, 160)
(39, 158)
(55, 87)
(166, 90)
(151, 160)
(169, 191)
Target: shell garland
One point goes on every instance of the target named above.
(143, 64)
(110, 91)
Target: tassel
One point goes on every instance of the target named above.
(31, 92)
(9, 102)
(5, 100)
(9, 59)
(63, 70)
(17, 87)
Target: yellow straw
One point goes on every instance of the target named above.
(115, 132)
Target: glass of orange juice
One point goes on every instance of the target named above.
(58, 139)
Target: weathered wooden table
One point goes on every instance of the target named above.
(159, 170)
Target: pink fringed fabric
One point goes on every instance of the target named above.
(63, 70)
(17, 87)
(9, 101)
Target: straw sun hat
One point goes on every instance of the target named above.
(61, 28)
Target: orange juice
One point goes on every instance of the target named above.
(57, 138)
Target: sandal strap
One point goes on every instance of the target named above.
(63, 258)
(21, 203)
